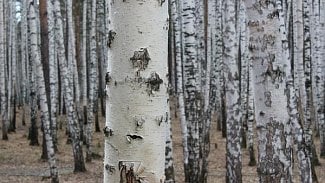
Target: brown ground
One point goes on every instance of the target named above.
(20, 162)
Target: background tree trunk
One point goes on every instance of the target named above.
(43, 99)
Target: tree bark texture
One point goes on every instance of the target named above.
(137, 96)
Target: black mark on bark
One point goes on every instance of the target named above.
(111, 36)
(140, 59)
(153, 82)
(108, 132)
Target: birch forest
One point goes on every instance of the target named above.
(157, 91)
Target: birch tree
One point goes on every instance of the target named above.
(93, 66)
(83, 67)
(233, 159)
(2, 74)
(41, 87)
(137, 97)
(53, 69)
(298, 135)
(176, 7)
(321, 82)
(79, 165)
(270, 101)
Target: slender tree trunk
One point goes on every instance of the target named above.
(177, 22)
(192, 90)
(3, 97)
(321, 82)
(169, 161)
(12, 56)
(137, 98)
(53, 71)
(218, 64)
(43, 99)
(233, 159)
(83, 68)
(79, 165)
(250, 117)
(92, 83)
(308, 88)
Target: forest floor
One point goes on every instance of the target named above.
(21, 163)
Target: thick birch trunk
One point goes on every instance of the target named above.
(270, 101)
(137, 104)
(43, 100)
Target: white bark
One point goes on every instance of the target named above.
(93, 67)
(234, 155)
(35, 54)
(270, 100)
(53, 69)
(136, 92)
(321, 81)
(72, 62)
(24, 51)
(192, 90)
(3, 97)
(177, 22)
(298, 52)
(67, 81)
(169, 162)
(83, 64)
(250, 116)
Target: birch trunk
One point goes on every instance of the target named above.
(43, 100)
(3, 97)
(169, 162)
(79, 165)
(192, 90)
(137, 98)
(303, 161)
(218, 78)
(11, 65)
(270, 101)
(83, 69)
(53, 69)
(177, 22)
(321, 82)
(308, 86)
(72, 62)
(234, 155)
(93, 66)
(250, 117)
(24, 51)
